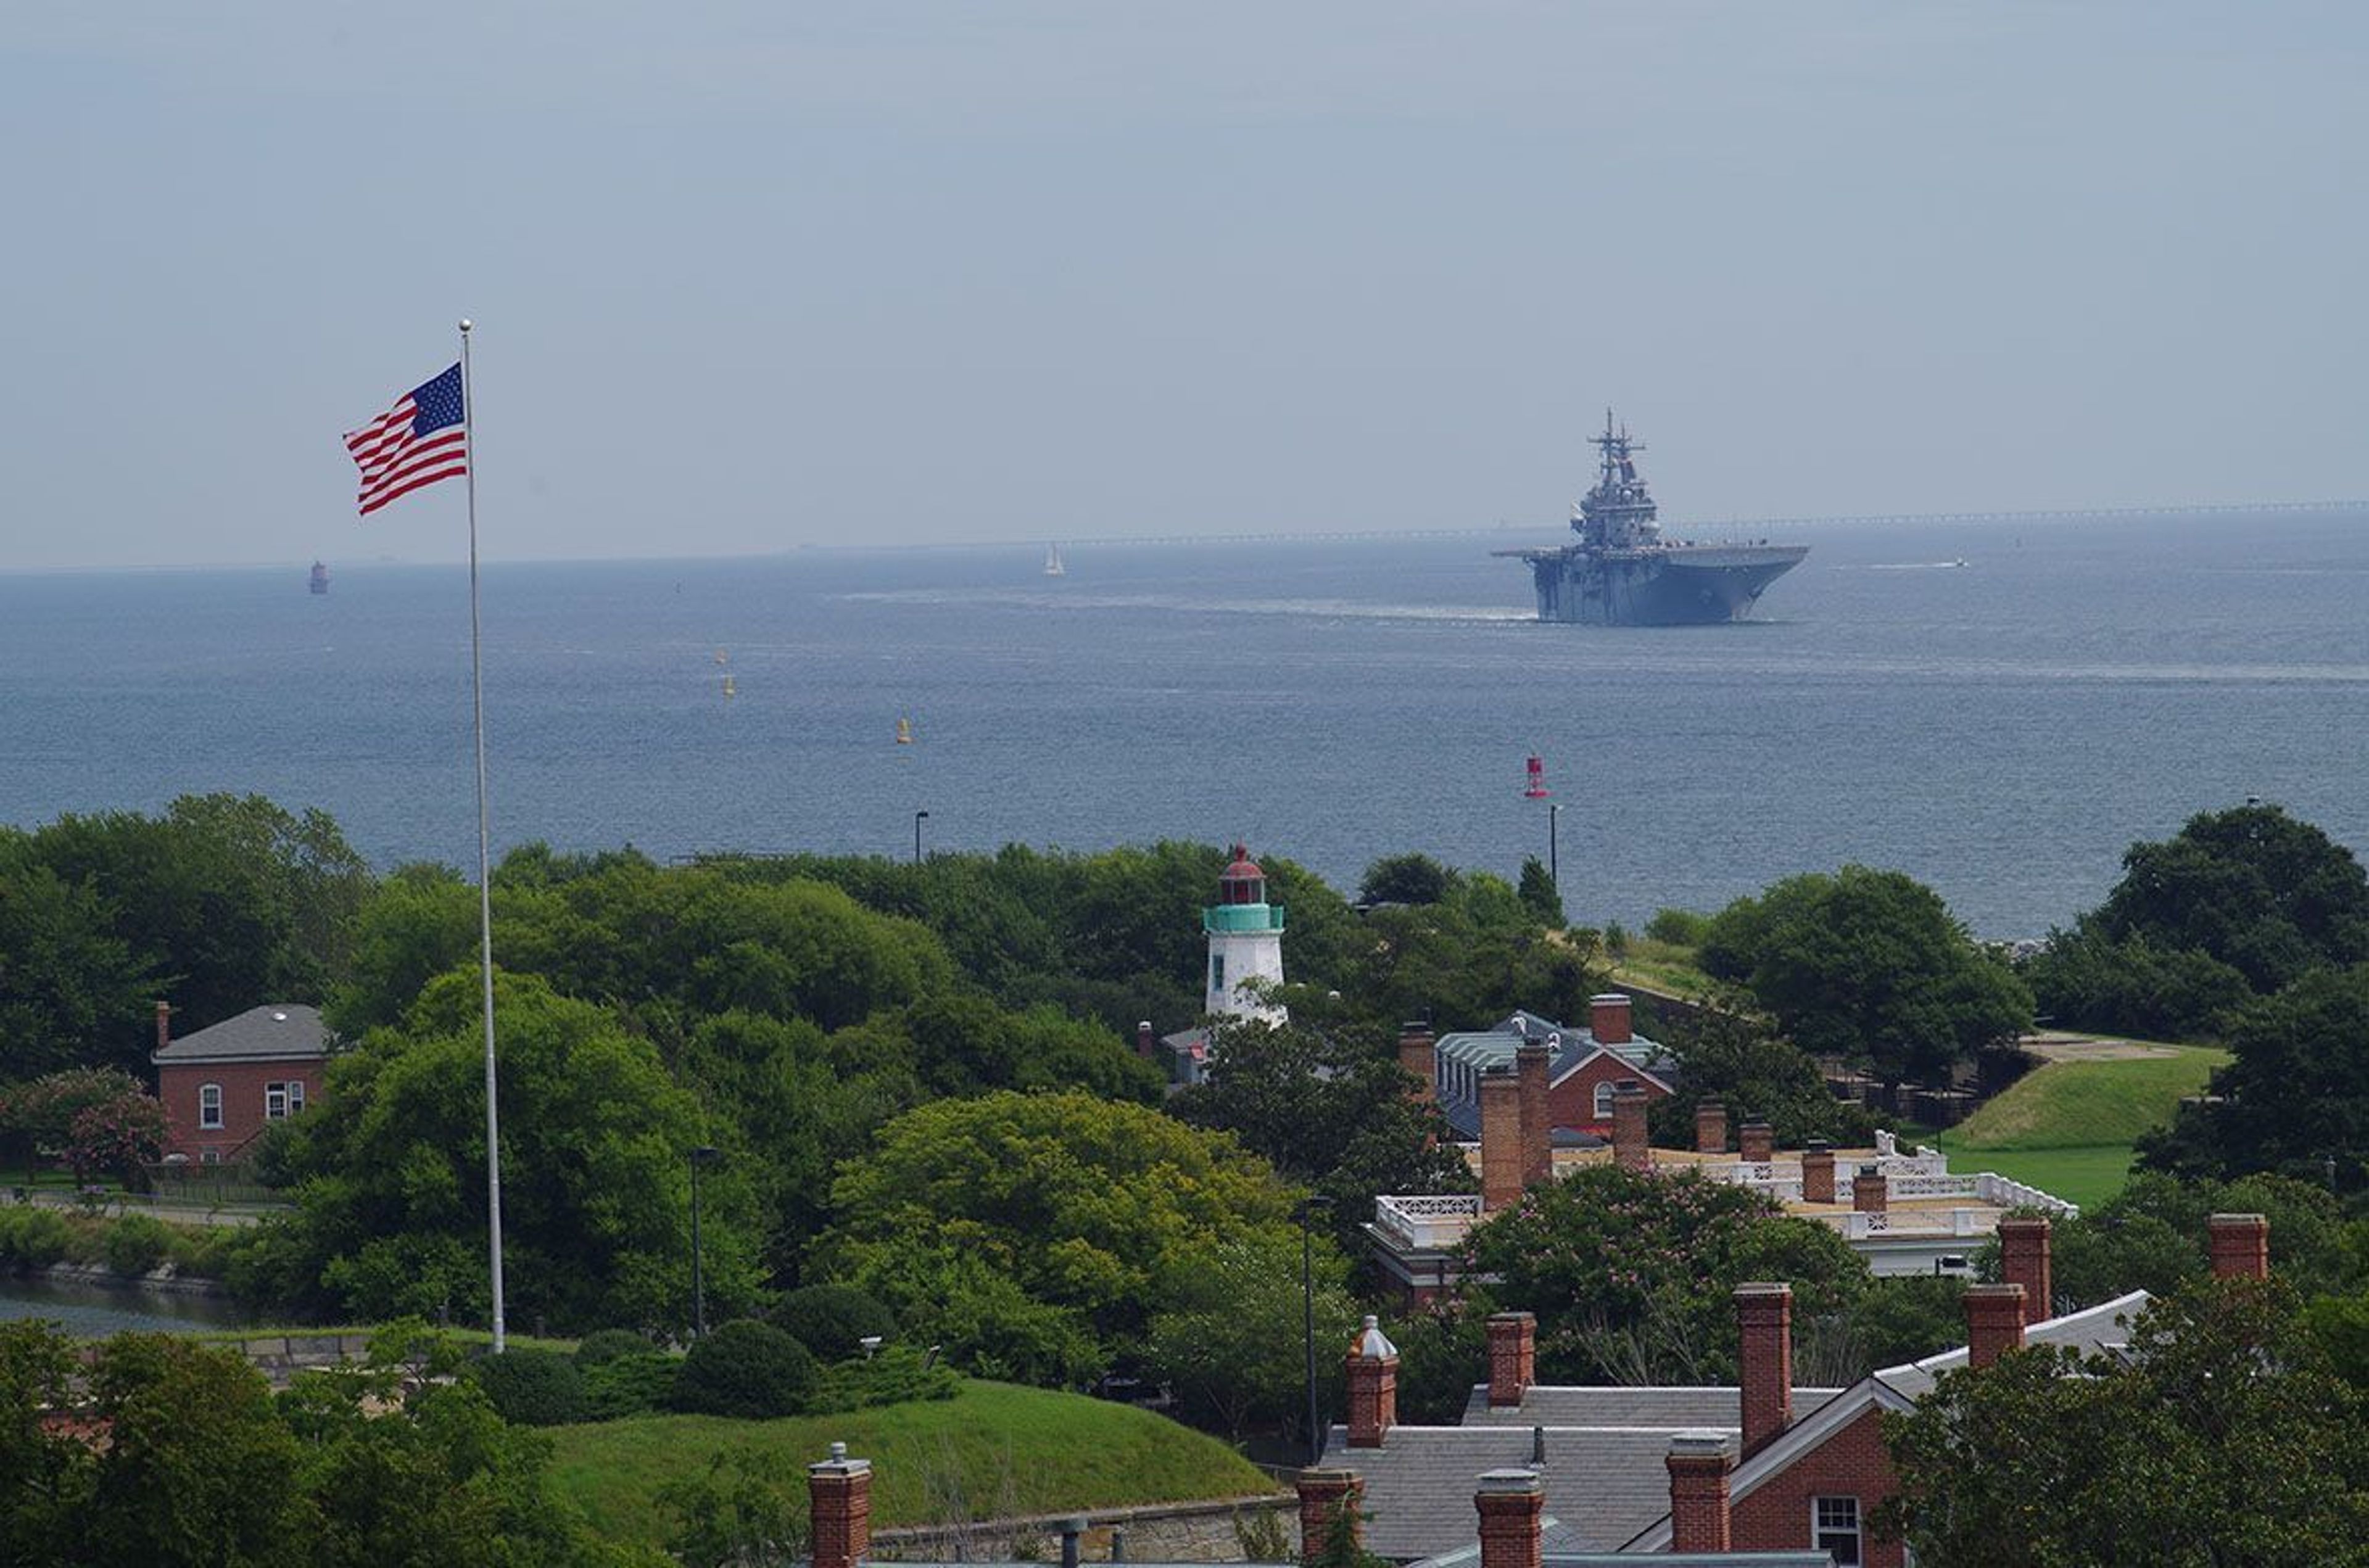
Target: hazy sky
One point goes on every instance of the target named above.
(752, 275)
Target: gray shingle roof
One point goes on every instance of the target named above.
(1603, 1485)
(276, 1031)
(1677, 1409)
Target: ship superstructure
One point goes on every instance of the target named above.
(1623, 573)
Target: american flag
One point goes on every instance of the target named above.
(420, 441)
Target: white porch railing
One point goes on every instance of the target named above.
(1422, 1220)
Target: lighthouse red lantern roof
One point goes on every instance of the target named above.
(1242, 882)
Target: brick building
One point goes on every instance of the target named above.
(1585, 1067)
(221, 1086)
(1762, 1467)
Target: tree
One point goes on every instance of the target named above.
(95, 1120)
(2295, 1092)
(1039, 1233)
(1232, 1344)
(390, 1172)
(1539, 893)
(1726, 1053)
(2251, 887)
(1405, 879)
(1871, 966)
(2150, 1236)
(1630, 1275)
(71, 989)
(2220, 1437)
(1328, 1108)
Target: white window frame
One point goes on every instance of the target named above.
(275, 1093)
(295, 1095)
(1604, 1090)
(1837, 1537)
(210, 1157)
(210, 1107)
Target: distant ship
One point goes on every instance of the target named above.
(1053, 567)
(320, 577)
(1622, 573)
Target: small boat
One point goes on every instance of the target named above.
(1053, 567)
(728, 690)
(904, 732)
(320, 577)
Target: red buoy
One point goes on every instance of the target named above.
(1535, 788)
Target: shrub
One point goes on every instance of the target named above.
(34, 1238)
(899, 1374)
(833, 1320)
(202, 1253)
(604, 1346)
(630, 1385)
(1680, 928)
(532, 1388)
(137, 1242)
(747, 1368)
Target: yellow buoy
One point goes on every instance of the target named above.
(904, 732)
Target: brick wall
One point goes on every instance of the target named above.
(243, 1085)
(1571, 1103)
(1851, 1463)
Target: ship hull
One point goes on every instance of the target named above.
(1673, 586)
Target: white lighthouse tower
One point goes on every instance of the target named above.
(1246, 942)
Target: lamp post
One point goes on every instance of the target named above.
(1555, 861)
(704, 1155)
(919, 817)
(1305, 1211)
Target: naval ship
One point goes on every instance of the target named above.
(1622, 573)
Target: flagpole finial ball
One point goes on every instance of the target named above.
(465, 324)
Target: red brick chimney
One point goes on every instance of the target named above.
(1711, 1127)
(2241, 1246)
(1871, 1192)
(1629, 1149)
(1756, 1143)
(1764, 1322)
(1501, 1139)
(1607, 1019)
(1513, 1358)
(1373, 1386)
(1531, 1063)
(1698, 1465)
(1819, 1174)
(1329, 1502)
(839, 1504)
(1994, 1322)
(1416, 1055)
(1146, 1044)
(164, 1023)
(1510, 1502)
(2024, 1260)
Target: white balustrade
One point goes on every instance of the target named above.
(1427, 1219)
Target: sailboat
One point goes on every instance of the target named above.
(729, 689)
(1053, 567)
(904, 732)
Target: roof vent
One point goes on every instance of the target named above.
(279, 1018)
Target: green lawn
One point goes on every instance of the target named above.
(995, 1450)
(2067, 1127)
(1662, 967)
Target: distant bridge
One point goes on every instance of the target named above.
(1754, 525)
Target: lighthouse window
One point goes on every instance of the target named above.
(1216, 971)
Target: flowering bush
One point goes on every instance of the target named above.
(96, 1121)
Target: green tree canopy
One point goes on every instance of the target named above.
(2221, 1437)
(391, 1181)
(1871, 966)
(1232, 1344)
(1726, 1053)
(1330, 1108)
(2296, 1093)
(1632, 1275)
(1037, 1234)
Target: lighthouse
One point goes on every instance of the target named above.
(1246, 942)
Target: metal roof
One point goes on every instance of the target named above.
(1476, 1051)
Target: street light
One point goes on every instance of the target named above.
(1555, 863)
(702, 1156)
(1303, 1211)
(919, 817)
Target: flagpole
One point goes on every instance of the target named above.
(484, 856)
